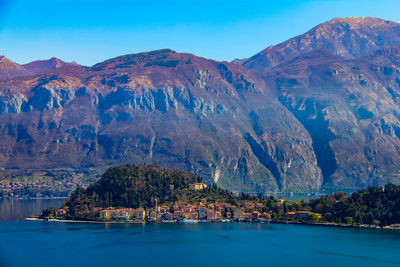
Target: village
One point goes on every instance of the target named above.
(38, 188)
(202, 211)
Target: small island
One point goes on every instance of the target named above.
(149, 193)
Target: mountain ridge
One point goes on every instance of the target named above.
(349, 37)
(313, 120)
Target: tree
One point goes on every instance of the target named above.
(348, 220)
(49, 212)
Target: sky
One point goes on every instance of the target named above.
(91, 31)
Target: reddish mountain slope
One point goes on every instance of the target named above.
(178, 110)
(42, 66)
(9, 69)
(349, 37)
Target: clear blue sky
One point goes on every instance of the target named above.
(90, 31)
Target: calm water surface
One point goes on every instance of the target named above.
(25, 243)
(19, 209)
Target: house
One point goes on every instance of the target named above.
(255, 214)
(238, 213)
(197, 186)
(164, 209)
(122, 213)
(187, 210)
(177, 214)
(211, 215)
(202, 213)
(139, 214)
(260, 205)
(159, 216)
(153, 216)
(303, 214)
(186, 215)
(60, 212)
(194, 215)
(281, 201)
(106, 214)
(249, 205)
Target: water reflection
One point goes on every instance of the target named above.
(19, 209)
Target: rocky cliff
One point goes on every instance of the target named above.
(213, 118)
(321, 116)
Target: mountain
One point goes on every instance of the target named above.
(347, 37)
(215, 119)
(350, 108)
(320, 118)
(42, 66)
(9, 69)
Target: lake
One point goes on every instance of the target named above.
(30, 243)
(19, 209)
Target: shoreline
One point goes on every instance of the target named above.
(222, 221)
(80, 221)
(34, 198)
(339, 225)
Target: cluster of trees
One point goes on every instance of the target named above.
(375, 205)
(134, 186)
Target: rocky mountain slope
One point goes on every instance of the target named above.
(350, 108)
(43, 66)
(10, 69)
(178, 110)
(321, 116)
(349, 37)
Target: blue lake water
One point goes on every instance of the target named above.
(27, 243)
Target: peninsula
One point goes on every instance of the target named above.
(149, 193)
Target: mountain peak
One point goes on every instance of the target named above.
(10, 69)
(5, 60)
(348, 37)
(42, 66)
(361, 21)
(162, 57)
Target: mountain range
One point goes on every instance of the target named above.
(321, 110)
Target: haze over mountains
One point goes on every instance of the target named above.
(321, 110)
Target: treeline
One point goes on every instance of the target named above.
(375, 205)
